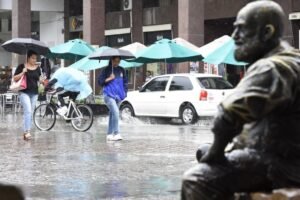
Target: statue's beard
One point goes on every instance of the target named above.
(249, 51)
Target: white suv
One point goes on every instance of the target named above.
(185, 96)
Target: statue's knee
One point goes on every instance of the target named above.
(203, 148)
(189, 175)
(196, 173)
(195, 184)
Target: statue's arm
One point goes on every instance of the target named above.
(266, 87)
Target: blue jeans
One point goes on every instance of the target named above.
(113, 123)
(28, 102)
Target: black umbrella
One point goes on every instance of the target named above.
(23, 45)
(110, 52)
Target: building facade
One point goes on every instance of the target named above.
(117, 23)
(39, 19)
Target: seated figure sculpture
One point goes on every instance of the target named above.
(261, 118)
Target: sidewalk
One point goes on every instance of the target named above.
(64, 164)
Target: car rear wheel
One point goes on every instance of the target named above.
(126, 112)
(188, 114)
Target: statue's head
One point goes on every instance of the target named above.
(258, 29)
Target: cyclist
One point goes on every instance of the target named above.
(73, 82)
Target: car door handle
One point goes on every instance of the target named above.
(162, 97)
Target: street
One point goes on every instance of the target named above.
(65, 164)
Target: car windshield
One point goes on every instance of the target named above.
(214, 83)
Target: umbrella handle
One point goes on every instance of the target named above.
(26, 59)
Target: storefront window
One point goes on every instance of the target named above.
(5, 57)
(155, 3)
(5, 78)
(35, 25)
(76, 7)
(113, 5)
(150, 3)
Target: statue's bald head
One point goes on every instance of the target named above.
(259, 25)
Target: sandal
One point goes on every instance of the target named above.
(26, 136)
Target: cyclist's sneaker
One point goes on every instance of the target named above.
(62, 111)
(110, 137)
(117, 137)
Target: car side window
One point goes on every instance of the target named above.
(222, 84)
(214, 83)
(156, 85)
(181, 83)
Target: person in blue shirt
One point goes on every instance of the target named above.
(115, 85)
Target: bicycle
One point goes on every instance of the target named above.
(44, 115)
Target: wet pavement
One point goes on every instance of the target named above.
(65, 164)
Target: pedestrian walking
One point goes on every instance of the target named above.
(28, 96)
(115, 85)
(46, 67)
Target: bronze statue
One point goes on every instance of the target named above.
(261, 117)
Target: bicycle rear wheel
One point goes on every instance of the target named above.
(82, 118)
(44, 117)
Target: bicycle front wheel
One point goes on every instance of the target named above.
(82, 118)
(44, 117)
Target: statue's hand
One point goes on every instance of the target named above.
(213, 157)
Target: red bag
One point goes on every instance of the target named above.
(24, 82)
(19, 85)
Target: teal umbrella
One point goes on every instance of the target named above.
(167, 51)
(87, 64)
(71, 50)
(220, 51)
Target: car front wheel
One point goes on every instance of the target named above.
(126, 112)
(188, 114)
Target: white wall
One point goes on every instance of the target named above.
(51, 26)
(6, 4)
(5, 57)
(47, 5)
(37, 5)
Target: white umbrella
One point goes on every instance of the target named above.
(219, 51)
(106, 54)
(134, 48)
(186, 44)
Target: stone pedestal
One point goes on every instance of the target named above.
(281, 194)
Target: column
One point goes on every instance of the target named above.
(93, 30)
(190, 24)
(137, 36)
(66, 19)
(21, 24)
